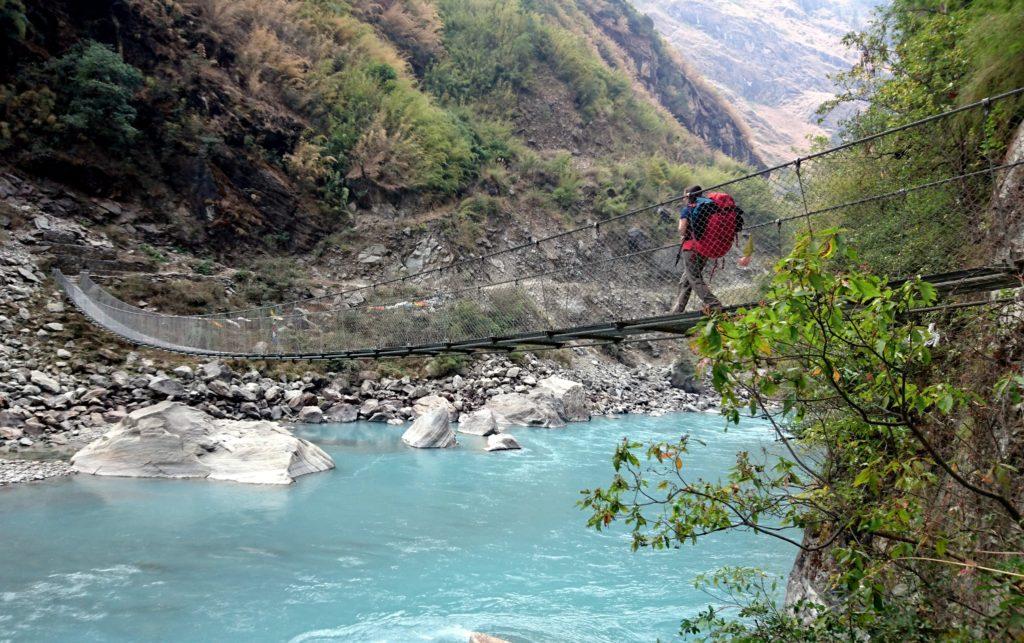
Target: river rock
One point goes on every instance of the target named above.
(570, 394)
(342, 413)
(369, 407)
(480, 422)
(219, 388)
(44, 381)
(429, 402)
(684, 376)
(431, 431)
(214, 370)
(166, 386)
(172, 440)
(310, 415)
(501, 442)
(537, 409)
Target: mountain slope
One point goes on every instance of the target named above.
(770, 59)
(276, 123)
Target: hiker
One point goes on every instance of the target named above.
(708, 226)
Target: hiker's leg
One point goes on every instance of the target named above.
(684, 293)
(695, 265)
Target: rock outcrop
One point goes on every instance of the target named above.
(1006, 210)
(431, 431)
(171, 440)
(575, 406)
(536, 408)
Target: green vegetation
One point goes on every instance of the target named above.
(445, 365)
(13, 23)
(888, 461)
(204, 267)
(175, 297)
(153, 253)
(87, 93)
(427, 103)
(919, 59)
(271, 280)
(497, 51)
(95, 90)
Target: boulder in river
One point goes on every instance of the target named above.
(479, 422)
(537, 408)
(570, 394)
(480, 637)
(501, 442)
(431, 431)
(172, 440)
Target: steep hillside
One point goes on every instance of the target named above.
(216, 126)
(770, 59)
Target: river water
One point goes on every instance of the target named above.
(396, 544)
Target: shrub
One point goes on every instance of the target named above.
(94, 88)
(13, 23)
(271, 280)
(445, 365)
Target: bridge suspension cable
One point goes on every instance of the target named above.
(610, 279)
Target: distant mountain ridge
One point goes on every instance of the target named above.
(770, 59)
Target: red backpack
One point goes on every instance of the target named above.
(717, 228)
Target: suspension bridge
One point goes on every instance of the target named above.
(612, 280)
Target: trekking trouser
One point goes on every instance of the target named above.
(692, 280)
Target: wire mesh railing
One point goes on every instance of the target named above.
(904, 196)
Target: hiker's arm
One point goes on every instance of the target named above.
(682, 227)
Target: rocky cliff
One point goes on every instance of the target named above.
(662, 72)
(771, 60)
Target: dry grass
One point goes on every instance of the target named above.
(279, 43)
(413, 24)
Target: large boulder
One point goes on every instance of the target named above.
(684, 376)
(166, 386)
(501, 442)
(572, 396)
(342, 413)
(431, 431)
(310, 415)
(537, 408)
(172, 440)
(429, 402)
(480, 422)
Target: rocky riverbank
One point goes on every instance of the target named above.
(63, 383)
(15, 471)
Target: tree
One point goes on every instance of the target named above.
(881, 456)
(95, 88)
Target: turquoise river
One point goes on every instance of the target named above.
(396, 544)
